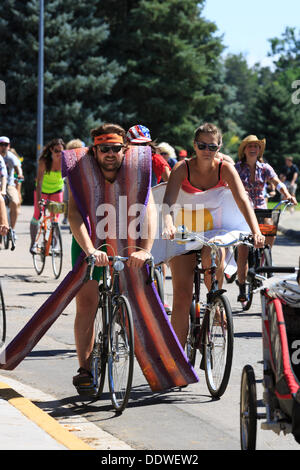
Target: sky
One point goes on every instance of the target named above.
(248, 24)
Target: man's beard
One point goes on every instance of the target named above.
(110, 166)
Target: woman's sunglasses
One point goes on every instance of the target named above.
(210, 147)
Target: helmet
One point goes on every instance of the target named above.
(138, 134)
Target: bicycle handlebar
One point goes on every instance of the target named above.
(118, 267)
(183, 236)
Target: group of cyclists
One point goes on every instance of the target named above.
(207, 169)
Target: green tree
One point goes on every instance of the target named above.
(276, 118)
(170, 53)
(77, 80)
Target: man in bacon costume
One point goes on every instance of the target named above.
(102, 178)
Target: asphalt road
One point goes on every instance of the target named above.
(185, 418)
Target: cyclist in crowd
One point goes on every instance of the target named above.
(161, 168)
(49, 182)
(109, 155)
(3, 176)
(3, 217)
(289, 175)
(202, 173)
(168, 152)
(12, 164)
(255, 173)
(140, 135)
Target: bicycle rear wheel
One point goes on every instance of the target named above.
(99, 353)
(39, 256)
(121, 355)
(218, 347)
(266, 259)
(2, 318)
(56, 250)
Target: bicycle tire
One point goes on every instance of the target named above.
(121, 354)
(6, 241)
(249, 296)
(248, 409)
(266, 259)
(56, 250)
(39, 257)
(192, 342)
(99, 352)
(158, 282)
(218, 347)
(2, 318)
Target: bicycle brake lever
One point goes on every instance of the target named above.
(90, 269)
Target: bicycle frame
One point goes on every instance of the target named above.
(52, 218)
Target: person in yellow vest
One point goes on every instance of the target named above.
(49, 182)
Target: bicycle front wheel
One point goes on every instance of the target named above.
(99, 353)
(39, 256)
(56, 250)
(2, 318)
(121, 354)
(218, 347)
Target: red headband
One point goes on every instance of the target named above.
(108, 139)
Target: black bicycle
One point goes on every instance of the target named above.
(210, 329)
(113, 335)
(268, 220)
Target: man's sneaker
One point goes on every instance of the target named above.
(33, 249)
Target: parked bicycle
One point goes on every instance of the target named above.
(211, 331)
(114, 335)
(268, 220)
(48, 241)
(280, 303)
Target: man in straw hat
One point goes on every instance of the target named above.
(255, 173)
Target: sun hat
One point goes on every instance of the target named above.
(249, 139)
(138, 134)
(4, 140)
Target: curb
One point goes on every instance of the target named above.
(42, 419)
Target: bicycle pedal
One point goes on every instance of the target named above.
(86, 390)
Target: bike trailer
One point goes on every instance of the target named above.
(282, 351)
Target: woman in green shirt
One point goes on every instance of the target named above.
(49, 182)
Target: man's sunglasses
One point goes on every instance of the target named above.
(107, 148)
(4, 144)
(210, 147)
